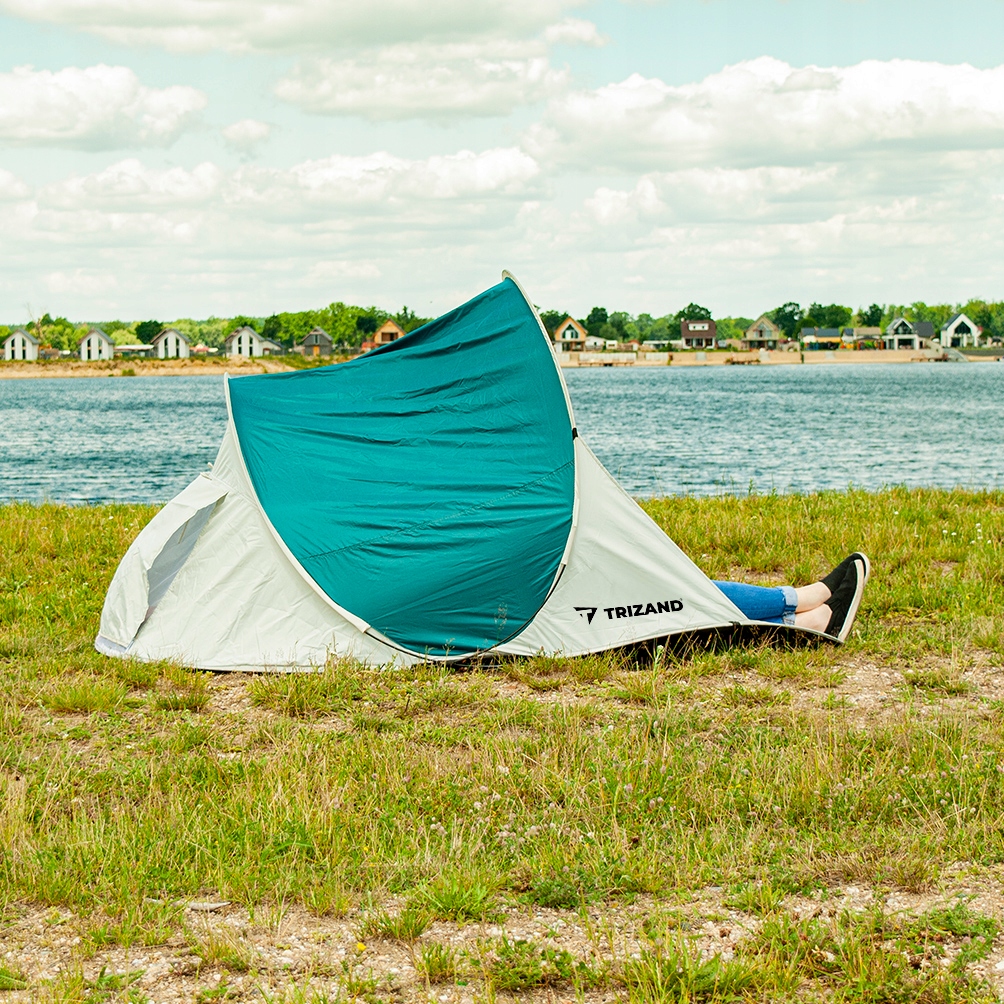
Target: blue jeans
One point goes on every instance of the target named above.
(775, 604)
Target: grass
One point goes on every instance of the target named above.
(438, 963)
(565, 784)
(12, 979)
(407, 926)
(868, 956)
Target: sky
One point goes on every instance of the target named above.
(170, 158)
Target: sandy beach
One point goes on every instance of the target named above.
(268, 364)
(213, 365)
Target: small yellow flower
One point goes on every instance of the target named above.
(360, 947)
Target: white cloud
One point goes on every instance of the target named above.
(388, 182)
(130, 184)
(731, 194)
(201, 25)
(246, 135)
(96, 108)
(573, 31)
(432, 81)
(81, 280)
(12, 187)
(129, 199)
(207, 240)
(325, 271)
(766, 112)
(764, 182)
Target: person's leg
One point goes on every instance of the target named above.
(816, 619)
(811, 596)
(804, 607)
(774, 604)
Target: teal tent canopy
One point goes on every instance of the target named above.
(429, 500)
(428, 487)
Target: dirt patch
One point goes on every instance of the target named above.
(277, 949)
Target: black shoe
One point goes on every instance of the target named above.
(837, 575)
(846, 597)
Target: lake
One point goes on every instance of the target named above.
(660, 431)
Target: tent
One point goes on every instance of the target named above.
(429, 500)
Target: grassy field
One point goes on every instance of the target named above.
(745, 824)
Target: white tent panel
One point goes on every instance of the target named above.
(626, 581)
(237, 603)
(155, 557)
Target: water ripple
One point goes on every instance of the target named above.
(674, 430)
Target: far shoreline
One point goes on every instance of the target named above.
(243, 366)
(76, 368)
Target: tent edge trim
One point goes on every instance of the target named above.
(354, 619)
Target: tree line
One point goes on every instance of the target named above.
(790, 317)
(349, 326)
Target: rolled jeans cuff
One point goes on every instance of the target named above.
(790, 603)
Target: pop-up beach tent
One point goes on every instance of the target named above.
(429, 500)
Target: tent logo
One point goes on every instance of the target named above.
(633, 610)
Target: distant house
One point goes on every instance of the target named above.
(20, 344)
(270, 347)
(243, 341)
(389, 331)
(96, 345)
(171, 344)
(570, 336)
(904, 334)
(815, 339)
(317, 342)
(862, 337)
(763, 333)
(959, 332)
(594, 343)
(698, 334)
(135, 350)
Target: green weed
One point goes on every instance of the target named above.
(520, 965)
(222, 946)
(739, 696)
(183, 690)
(73, 988)
(300, 695)
(942, 681)
(679, 973)
(12, 979)
(83, 694)
(453, 897)
(406, 926)
(437, 963)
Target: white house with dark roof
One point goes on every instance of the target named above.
(960, 332)
(171, 344)
(243, 341)
(20, 344)
(904, 334)
(96, 345)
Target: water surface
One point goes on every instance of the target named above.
(697, 430)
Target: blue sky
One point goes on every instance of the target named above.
(196, 157)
